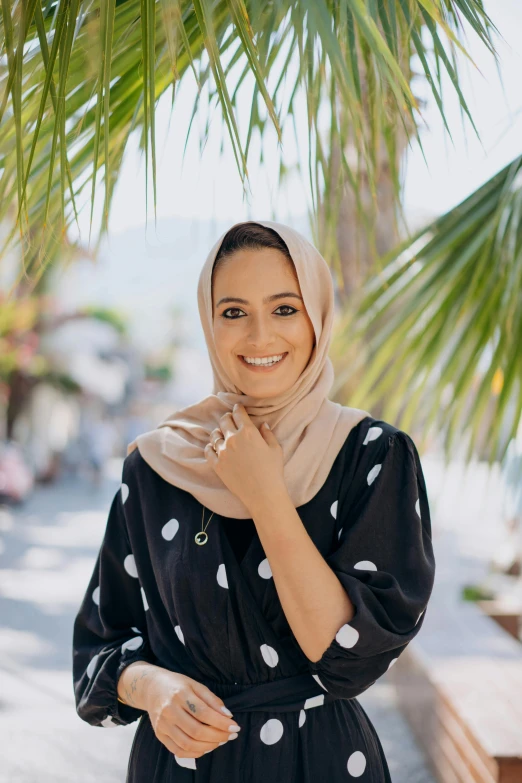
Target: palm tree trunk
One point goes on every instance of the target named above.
(356, 248)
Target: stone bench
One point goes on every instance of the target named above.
(459, 684)
(507, 614)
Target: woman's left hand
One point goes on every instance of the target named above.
(250, 460)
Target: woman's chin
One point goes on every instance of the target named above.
(260, 389)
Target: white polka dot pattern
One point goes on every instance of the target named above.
(221, 576)
(369, 525)
(188, 763)
(270, 656)
(264, 569)
(132, 644)
(347, 636)
(372, 475)
(356, 764)
(316, 678)
(169, 529)
(372, 434)
(130, 566)
(366, 565)
(92, 666)
(271, 731)
(314, 701)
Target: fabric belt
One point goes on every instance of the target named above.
(299, 692)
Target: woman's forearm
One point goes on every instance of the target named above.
(134, 683)
(313, 599)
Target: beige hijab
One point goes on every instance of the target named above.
(310, 428)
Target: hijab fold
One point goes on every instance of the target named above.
(310, 428)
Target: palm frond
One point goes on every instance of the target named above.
(445, 323)
(79, 76)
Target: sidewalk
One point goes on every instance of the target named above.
(47, 551)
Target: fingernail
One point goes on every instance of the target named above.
(226, 711)
(233, 736)
(234, 728)
(267, 425)
(224, 741)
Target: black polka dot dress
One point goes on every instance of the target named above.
(212, 613)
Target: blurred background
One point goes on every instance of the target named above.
(390, 135)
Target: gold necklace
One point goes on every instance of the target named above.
(201, 537)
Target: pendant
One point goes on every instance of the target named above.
(198, 538)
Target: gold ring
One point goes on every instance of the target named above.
(216, 442)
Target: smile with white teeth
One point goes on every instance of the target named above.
(266, 360)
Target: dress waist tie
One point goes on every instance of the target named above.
(298, 692)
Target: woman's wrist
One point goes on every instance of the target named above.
(135, 682)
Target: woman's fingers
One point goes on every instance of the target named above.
(184, 746)
(215, 435)
(192, 720)
(193, 746)
(194, 706)
(209, 698)
(177, 749)
(202, 732)
(227, 424)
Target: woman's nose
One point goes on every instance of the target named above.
(260, 332)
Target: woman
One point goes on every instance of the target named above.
(313, 575)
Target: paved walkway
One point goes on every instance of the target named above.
(47, 551)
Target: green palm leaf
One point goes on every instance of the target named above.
(112, 60)
(445, 323)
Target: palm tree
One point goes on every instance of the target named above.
(80, 76)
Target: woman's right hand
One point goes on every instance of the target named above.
(185, 715)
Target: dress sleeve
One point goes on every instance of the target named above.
(110, 629)
(384, 559)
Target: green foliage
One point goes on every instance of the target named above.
(61, 381)
(107, 315)
(445, 320)
(476, 593)
(158, 372)
(82, 75)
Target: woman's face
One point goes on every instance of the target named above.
(258, 312)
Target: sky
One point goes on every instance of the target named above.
(207, 186)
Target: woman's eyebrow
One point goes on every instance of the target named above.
(270, 298)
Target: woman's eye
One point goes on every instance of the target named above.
(238, 309)
(230, 317)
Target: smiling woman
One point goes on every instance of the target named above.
(253, 581)
(263, 334)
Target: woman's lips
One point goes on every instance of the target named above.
(262, 367)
